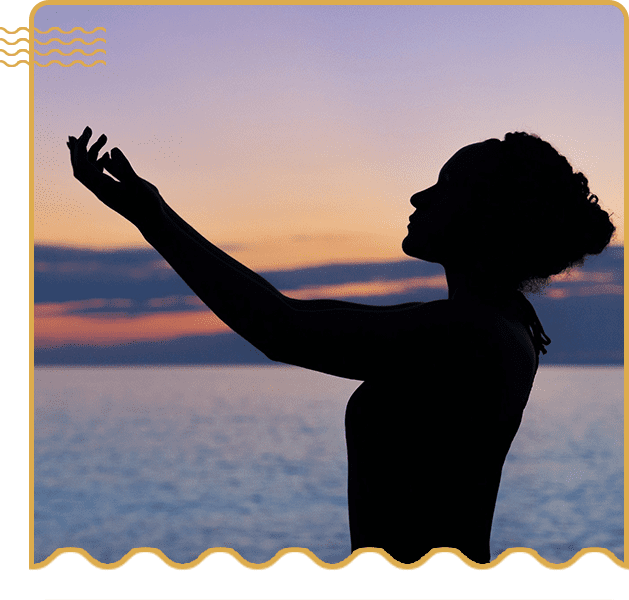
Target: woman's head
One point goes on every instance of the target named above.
(509, 213)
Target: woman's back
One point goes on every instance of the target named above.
(426, 445)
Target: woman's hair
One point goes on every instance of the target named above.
(536, 217)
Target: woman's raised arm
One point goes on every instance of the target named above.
(246, 302)
(340, 338)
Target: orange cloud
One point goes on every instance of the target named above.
(585, 276)
(56, 329)
(58, 324)
(380, 287)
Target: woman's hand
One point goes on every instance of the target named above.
(134, 198)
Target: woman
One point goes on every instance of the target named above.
(445, 382)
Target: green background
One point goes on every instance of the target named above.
(219, 576)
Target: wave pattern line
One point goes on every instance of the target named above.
(69, 53)
(74, 62)
(16, 42)
(12, 32)
(16, 64)
(15, 53)
(66, 32)
(68, 43)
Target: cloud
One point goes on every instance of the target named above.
(370, 289)
(87, 297)
(55, 328)
(148, 284)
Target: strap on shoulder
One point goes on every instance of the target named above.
(540, 339)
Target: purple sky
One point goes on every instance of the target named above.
(301, 132)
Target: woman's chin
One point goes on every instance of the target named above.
(413, 249)
(407, 247)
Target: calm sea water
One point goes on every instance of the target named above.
(186, 459)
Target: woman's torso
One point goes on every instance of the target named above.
(426, 445)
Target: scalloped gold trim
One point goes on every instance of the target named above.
(334, 566)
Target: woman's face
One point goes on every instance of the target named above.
(441, 209)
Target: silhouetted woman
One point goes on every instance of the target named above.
(445, 382)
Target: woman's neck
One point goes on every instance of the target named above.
(467, 287)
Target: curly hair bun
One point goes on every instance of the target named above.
(548, 219)
(600, 229)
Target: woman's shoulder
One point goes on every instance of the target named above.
(504, 333)
(473, 325)
(458, 314)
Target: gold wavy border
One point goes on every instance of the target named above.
(283, 552)
(330, 566)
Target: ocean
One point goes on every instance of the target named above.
(253, 458)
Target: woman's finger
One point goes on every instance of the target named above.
(85, 170)
(78, 155)
(102, 161)
(92, 153)
(121, 166)
(78, 151)
(81, 143)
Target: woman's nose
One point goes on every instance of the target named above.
(415, 199)
(424, 198)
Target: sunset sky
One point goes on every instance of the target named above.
(294, 136)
